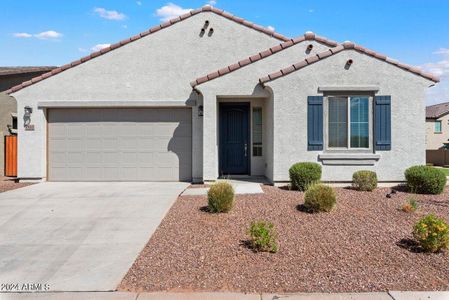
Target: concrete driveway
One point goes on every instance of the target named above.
(78, 236)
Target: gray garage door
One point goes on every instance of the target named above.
(120, 144)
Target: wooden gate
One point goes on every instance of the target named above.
(11, 155)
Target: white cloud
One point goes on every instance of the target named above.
(139, 3)
(82, 50)
(171, 11)
(211, 2)
(440, 92)
(440, 68)
(22, 35)
(99, 47)
(269, 27)
(46, 35)
(311, 10)
(442, 51)
(109, 14)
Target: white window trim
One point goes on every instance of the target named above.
(370, 124)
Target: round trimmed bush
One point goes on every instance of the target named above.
(319, 197)
(364, 180)
(220, 197)
(425, 180)
(304, 174)
(432, 233)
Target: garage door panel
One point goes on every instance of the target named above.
(57, 143)
(59, 158)
(119, 144)
(75, 157)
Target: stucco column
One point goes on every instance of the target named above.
(197, 141)
(31, 162)
(210, 141)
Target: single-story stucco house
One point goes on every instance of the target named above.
(437, 134)
(209, 94)
(437, 126)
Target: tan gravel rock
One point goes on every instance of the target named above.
(363, 245)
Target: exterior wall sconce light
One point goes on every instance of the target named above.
(310, 47)
(206, 23)
(211, 31)
(200, 111)
(349, 62)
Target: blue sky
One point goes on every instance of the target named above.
(54, 32)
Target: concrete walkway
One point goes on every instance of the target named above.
(229, 296)
(240, 187)
(78, 236)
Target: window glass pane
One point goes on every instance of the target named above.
(437, 126)
(359, 122)
(257, 131)
(338, 122)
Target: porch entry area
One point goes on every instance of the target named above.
(234, 138)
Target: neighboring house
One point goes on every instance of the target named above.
(437, 134)
(9, 77)
(210, 94)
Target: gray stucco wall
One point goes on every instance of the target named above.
(286, 105)
(407, 112)
(243, 84)
(155, 68)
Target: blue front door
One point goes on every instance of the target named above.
(234, 138)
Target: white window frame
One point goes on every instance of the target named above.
(348, 127)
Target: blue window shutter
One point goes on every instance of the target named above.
(382, 122)
(314, 123)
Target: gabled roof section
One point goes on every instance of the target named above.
(436, 111)
(345, 46)
(261, 55)
(6, 71)
(154, 29)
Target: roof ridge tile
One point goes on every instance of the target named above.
(277, 48)
(347, 45)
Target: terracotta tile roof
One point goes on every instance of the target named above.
(263, 54)
(206, 8)
(346, 45)
(22, 70)
(437, 110)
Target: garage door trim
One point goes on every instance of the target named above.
(177, 163)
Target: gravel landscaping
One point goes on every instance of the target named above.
(364, 244)
(7, 184)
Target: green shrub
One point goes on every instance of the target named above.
(432, 233)
(220, 197)
(425, 180)
(364, 180)
(319, 197)
(263, 236)
(304, 174)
